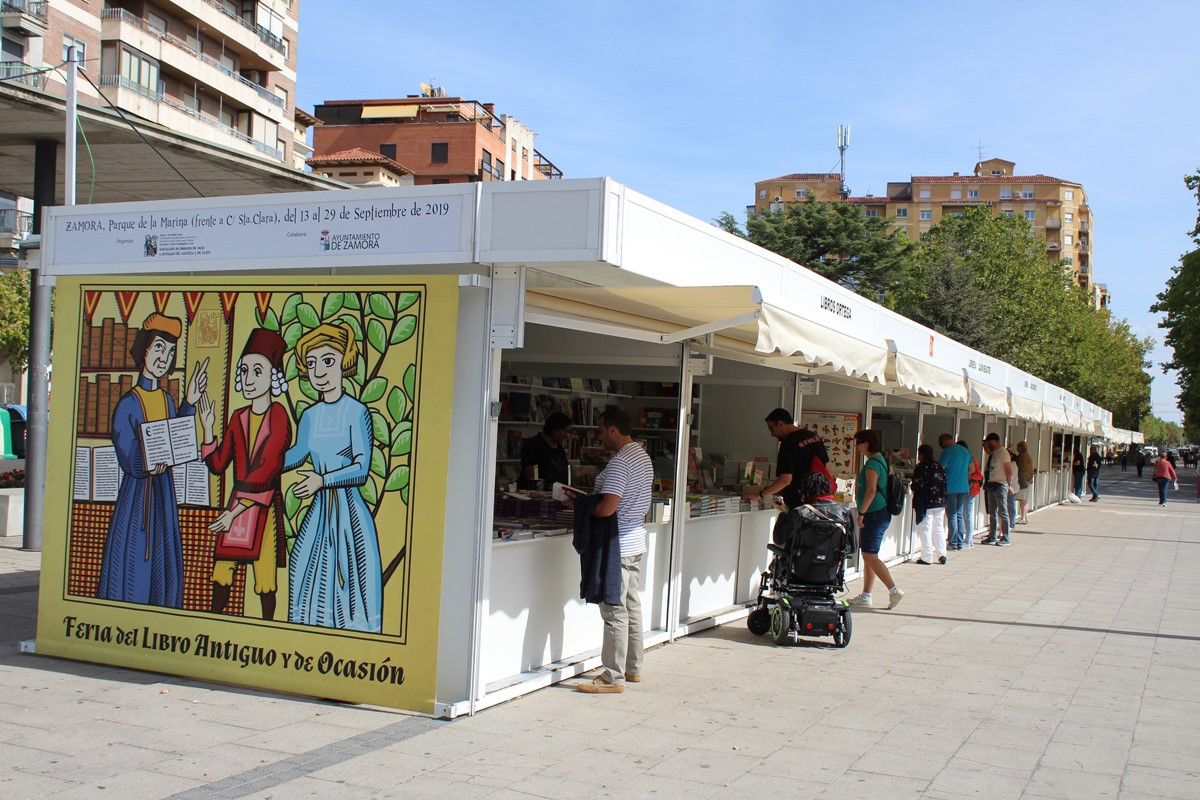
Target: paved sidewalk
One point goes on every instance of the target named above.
(1064, 666)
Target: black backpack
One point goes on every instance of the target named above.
(893, 495)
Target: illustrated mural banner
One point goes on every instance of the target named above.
(256, 489)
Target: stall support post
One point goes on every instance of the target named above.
(679, 504)
(1035, 488)
(910, 533)
(957, 424)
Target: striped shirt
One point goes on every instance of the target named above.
(630, 476)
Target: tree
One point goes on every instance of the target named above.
(14, 319)
(1178, 303)
(835, 240)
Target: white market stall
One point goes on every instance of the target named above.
(582, 281)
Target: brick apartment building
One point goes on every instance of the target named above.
(1057, 210)
(432, 138)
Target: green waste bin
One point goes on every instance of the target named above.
(6, 451)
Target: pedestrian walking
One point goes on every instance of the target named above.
(870, 491)
(956, 462)
(997, 473)
(1093, 474)
(1078, 469)
(929, 499)
(1164, 476)
(1141, 462)
(1124, 460)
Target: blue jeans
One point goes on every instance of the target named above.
(1077, 484)
(874, 524)
(1094, 484)
(1163, 483)
(968, 515)
(1012, 509)
(954, 516)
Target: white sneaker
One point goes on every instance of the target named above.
(861, 601)
(894, 598)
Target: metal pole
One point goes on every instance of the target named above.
(679, 504)
(41, 292)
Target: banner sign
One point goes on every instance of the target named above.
(258, 488)
(331, 224)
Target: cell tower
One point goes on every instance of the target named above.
(843, 143)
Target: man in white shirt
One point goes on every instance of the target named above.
(998, 471)
(624, 488)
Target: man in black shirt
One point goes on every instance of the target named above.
(797, 449)
(543, 459)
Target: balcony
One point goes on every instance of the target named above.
(249, 39)
(27, 74)
(544, 166)
(1053, 222)
(489, 172)
(1053, 246)
(1083, 245)
(169, 112)
(26, 17)
(14, 227)
(121, 25)
(1084, 226)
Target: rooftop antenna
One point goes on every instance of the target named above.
(979, 148)
(843, 143)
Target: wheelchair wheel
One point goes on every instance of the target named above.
(781, 624)
(841, 637)
(759, 621)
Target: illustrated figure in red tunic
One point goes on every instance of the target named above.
(250, 530)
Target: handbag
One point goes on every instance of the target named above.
(1175, 485)
(243, 541)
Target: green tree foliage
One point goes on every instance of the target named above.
(14, 318)
(836, 240)
(1160, 433)
(1179, 303)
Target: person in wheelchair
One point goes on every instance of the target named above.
(812, 540)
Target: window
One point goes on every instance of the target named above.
(1006, 194)
(226, 119)
(926, 215)
(1069, 194)
(956, 194)
(13, 51)
(499, 169)
(1068, 239)
(1027, 194)
(801, 194)
(265, 131)
(956, 213)
(872, 212)
(439, 152)
(925, 194)
(1031, 215)
(155, 21)
(901, 213)
(287, 48)
(228, 63)
(439, 181)
(282, 94)
(191, 101)
(347, 174)
(139, 70)
(1006, 213)
(776, 207)
(388, 151)
(762, 194)
(512, 174)
(80, 50)
(972, 194)
(486, 158)
(1068, 216)
(269, 21)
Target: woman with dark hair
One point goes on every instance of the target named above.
(543, 458)
(1078, 470)
(143, 554)
(929, 498)
(870, 492)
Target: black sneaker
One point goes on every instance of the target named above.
(922, 562)
(988, 540)
(942, 560)
(1003, 542)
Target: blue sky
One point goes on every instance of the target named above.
(692, 102)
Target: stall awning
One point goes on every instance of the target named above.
(740, 321)
(1055, 415)
(390, 112)
(992, 400)
(1027, 409)
(928, 379)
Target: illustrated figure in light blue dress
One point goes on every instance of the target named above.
(335, 574)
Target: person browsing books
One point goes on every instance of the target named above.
(543, 458)
(800, 452)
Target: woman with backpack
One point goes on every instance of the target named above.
(929, 498)
(870, 492)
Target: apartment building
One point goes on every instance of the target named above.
(1057, 210)
(220, 70)
(431, 137)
